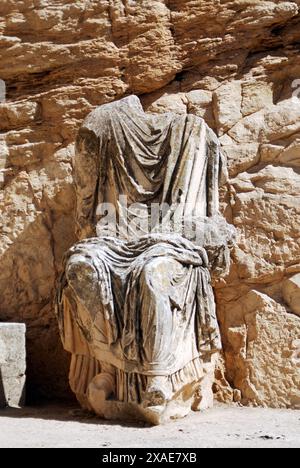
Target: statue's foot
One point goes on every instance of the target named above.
(100, 389)
(158, 392)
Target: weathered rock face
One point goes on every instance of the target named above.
(262, 350)
(234, 63)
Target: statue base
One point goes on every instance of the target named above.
(194, 396)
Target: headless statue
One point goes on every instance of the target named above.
(135, 303)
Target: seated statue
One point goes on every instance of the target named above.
(135, 303)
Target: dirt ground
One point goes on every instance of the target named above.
(224, 426)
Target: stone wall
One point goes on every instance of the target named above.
(234, 63)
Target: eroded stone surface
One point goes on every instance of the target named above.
(262, 350)
(291, 293)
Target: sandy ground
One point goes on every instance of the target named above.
(63, 426)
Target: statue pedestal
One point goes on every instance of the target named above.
(12, 364)
(195, 395)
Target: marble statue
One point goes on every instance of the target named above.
(135, 303)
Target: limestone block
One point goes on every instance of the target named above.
(227, 105)
(262, 351)
(256, 96)
(291, 293)
(12, 364)
(199, 102)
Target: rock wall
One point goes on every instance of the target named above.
(233, 62)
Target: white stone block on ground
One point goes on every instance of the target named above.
(12, 364)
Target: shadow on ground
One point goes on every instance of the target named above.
(65, 413)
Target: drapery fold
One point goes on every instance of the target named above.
(148, 158)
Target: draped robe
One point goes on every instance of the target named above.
(143, 303)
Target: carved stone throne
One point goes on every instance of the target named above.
(135, 304)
